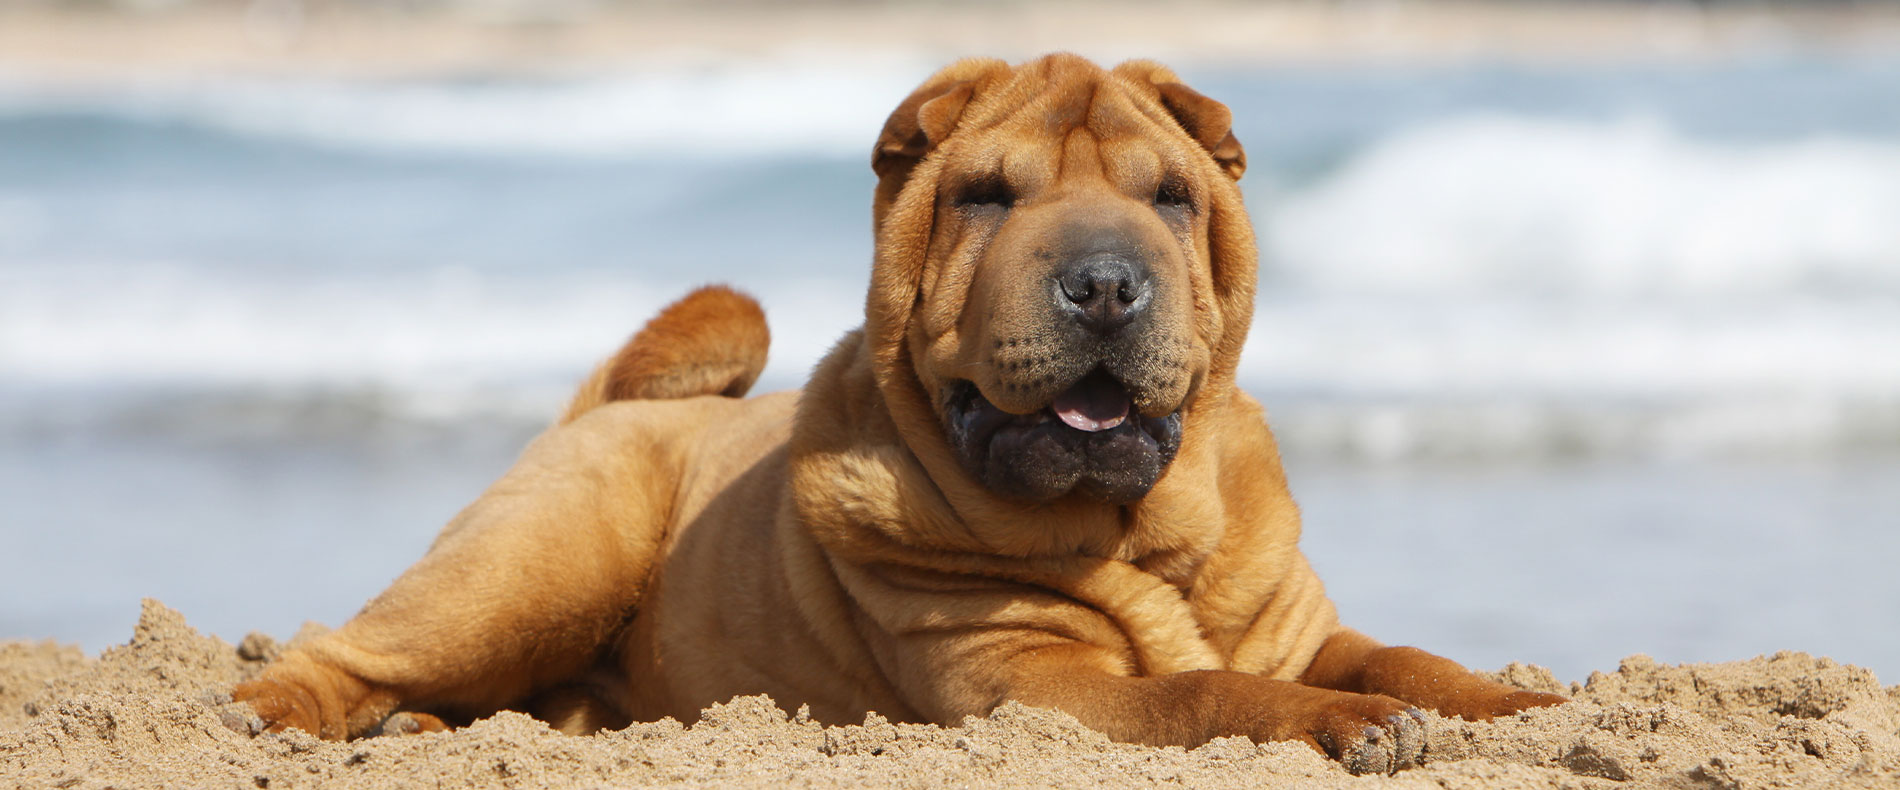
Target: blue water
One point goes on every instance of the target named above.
(1569, 362)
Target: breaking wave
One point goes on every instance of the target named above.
(1525, 205)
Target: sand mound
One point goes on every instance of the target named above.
(151, 714)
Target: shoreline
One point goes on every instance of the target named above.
(287, 37)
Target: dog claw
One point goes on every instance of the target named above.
(410, 723)
(242, 723)
(1398, 745)
(1409, 743)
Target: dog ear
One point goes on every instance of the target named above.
(922, 122)
(918, 125)
(1207, 121)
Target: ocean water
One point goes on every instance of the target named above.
(1569, 362)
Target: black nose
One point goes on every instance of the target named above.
(1104, 291)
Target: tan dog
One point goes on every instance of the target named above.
(1029, 476)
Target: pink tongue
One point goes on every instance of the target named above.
(1092, 408)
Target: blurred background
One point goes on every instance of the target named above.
(1579, 321)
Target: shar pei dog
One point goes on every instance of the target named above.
(1029, 476)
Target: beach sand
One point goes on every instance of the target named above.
(152, 713)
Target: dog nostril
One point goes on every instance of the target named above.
(1125, 292)
(1079, 289)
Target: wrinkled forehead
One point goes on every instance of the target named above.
(1039, 128)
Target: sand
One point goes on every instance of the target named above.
(155, 713)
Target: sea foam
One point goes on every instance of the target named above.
(1631, 208)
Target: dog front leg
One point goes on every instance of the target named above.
(1351, 661)
(1367, 733)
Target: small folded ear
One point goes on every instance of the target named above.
(922, 122)
(1207, 121)
(918, 125)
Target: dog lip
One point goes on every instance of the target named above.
(980, 419)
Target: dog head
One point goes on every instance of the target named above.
(1064, 273)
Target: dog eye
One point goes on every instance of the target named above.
(1174, 193)
(985, 192)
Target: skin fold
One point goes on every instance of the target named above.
(1028, 476)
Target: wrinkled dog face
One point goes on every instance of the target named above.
(1058, 330)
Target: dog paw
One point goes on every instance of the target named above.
(1499, 701)
(303, 693)
(280, 705)
(1519, 701)
(1371, 734)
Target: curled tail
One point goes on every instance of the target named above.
(712, 342)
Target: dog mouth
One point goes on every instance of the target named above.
(1089, 439)
(1096, 403)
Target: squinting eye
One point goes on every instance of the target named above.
(986, 192)
(1173, 193)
